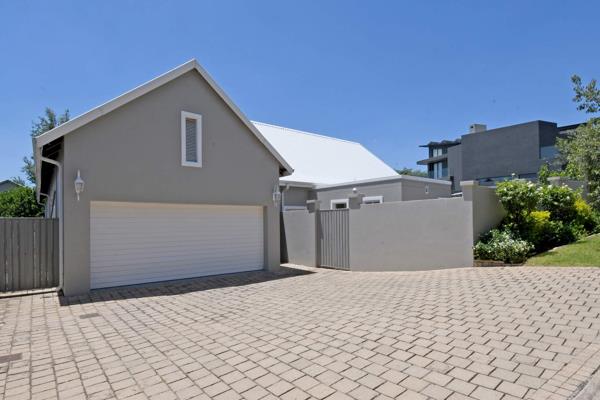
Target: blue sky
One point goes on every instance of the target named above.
(390, 74)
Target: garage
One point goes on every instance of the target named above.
(132, 243)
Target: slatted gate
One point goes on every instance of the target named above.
(28, 253)
(334, 239)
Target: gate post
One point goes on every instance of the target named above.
(314, 208)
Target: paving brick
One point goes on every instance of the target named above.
(460, 386)
(512, 389)
(517, 333)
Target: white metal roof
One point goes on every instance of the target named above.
(322, 159)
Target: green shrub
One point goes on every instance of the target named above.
(502, 246)
(587, 217)
(538, 218)
(519, 198)
(560, 202)
(19, 202)
(545, 233)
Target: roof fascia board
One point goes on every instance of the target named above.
(385, 179)
(308, 185)
(139, 91)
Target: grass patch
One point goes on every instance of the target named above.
(584, 253)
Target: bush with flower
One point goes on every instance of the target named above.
(538, 218)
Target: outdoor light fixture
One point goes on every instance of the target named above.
(276, 195)
(79, 183)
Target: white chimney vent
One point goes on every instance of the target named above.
(475, 128)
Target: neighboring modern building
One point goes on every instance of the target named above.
(492, 155)
(333, 171)
(7, 185)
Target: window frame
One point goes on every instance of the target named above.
(333, 202)
(372, 199)
(185, 115)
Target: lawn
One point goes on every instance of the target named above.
(584, 253)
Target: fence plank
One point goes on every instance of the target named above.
(26, 239)
(3, 255)
(28, 253)
(42, 250)
(12, 258)
(54, 266)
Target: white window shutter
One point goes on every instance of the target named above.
(191, 140)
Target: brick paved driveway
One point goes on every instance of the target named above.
(452, 334)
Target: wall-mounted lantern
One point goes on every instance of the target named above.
(79, 184)
(276, 196)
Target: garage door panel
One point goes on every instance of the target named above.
(139, 242)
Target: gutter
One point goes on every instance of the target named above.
(60, 212)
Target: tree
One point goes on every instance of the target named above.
(413, 172)
(20, 202)
(581, 149)
(19, 181)
(45, 123)
(587, 96)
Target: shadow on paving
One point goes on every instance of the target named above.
(181, 286)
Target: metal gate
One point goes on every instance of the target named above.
(28, 253)
(334, 237)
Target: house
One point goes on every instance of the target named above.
(335, 172)
(167, 181)
(491, 155)
(8, 185)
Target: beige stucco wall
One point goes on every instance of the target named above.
(399, 189)
(411, 235)
(296, 196)
(134, 154)
(487, 210)
(419, 190)
(300, 237)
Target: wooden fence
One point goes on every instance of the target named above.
(28, 253)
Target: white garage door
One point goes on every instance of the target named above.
(142, 242)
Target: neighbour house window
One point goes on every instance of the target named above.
(493, 180)
(339, 204)
(191, 139)
(438, 170)
(547, 152)
(373, 200)
(438, 151)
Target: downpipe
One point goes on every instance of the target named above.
(60, 212)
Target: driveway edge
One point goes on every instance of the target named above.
(570, 380)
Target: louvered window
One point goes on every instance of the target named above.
(191, 139)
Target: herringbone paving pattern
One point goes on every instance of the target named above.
(492, 333)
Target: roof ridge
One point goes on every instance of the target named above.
(306, 133)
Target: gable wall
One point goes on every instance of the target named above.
(134, 154)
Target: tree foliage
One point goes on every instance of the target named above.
(44, 123)
(412, 172)
(587, 97)
(581, 149)
(19, 202)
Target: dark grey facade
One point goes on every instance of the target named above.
(490, 156)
